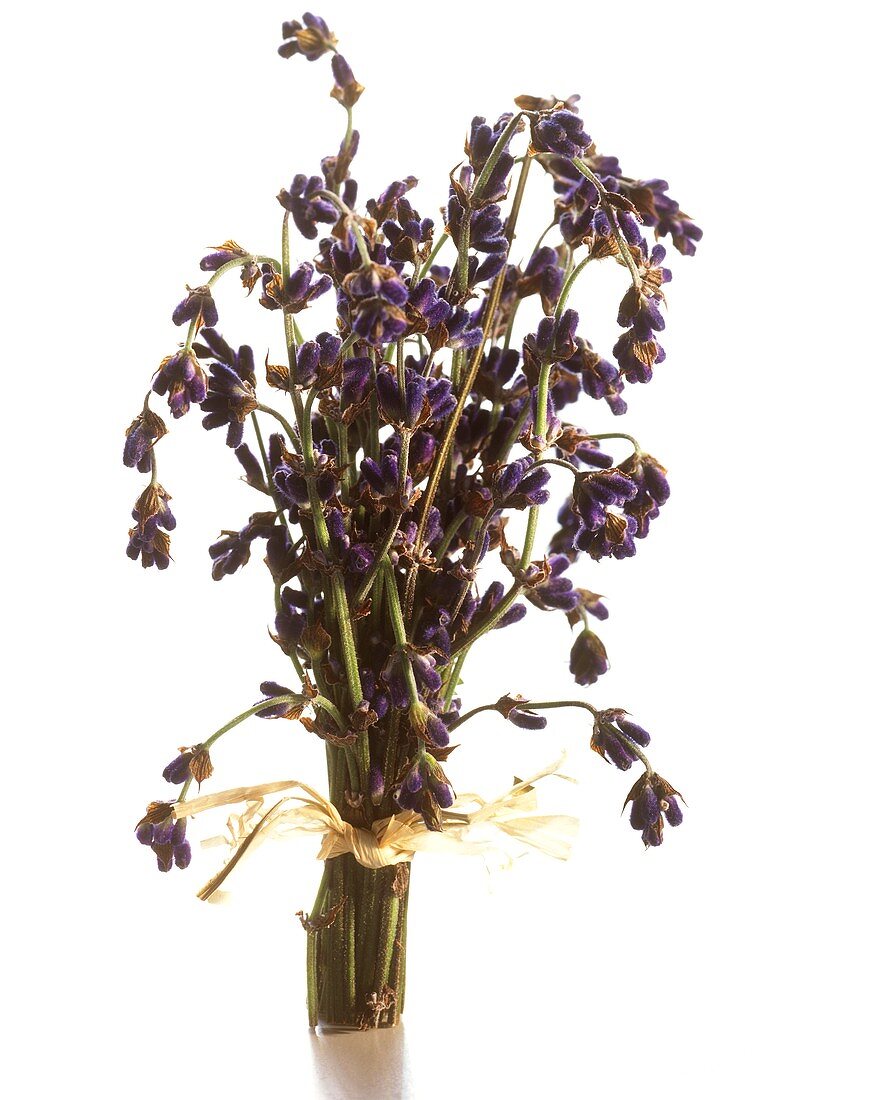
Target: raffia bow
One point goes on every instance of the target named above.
(391, 840)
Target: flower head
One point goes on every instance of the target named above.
(588, 659)
(562, 132)
(145, 430)
(231, 395)
(149, 540)
(198, 309)
(651, 800)
(312, 38)
(161, 832)
(182, 379)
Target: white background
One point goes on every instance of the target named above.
(732, 961)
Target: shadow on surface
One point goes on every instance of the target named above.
(358, 1065)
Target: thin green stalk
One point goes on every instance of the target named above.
(550, 705)
(210, 741)
(567, 285)
(434, 251)
(539, 433)
(452, 529)
(454, 678)
(193, 327)
(292, 435)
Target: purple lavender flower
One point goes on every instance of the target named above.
(231, 395)
(198, 308)
(425, 788)
(222, 254)
(145, 430)
(652, 490)
(638, 349)
(588, 659)
(357, 380)
(613, 540)
(616, 738)
(651, 799)
(383, 478)
(663, 213)
(346, 90)
(560, 132)
(594, 492)
(387, 204)
(149, 540)
(479, 146)
(521, 484)
(542, 275)
(600, 379)
(593, 604)
(181, 377)
(377, 295)
(483, 608)
(306, 206)
(233, 549)
(249, 271)
(429, 305)
(557, 593)
(407, 231)
(526, 719)
(317, 357)
(295, 294)
(178, 770)
(292, 707)
(312, 38)
(553, 341)
(165, 836)
(394, 408)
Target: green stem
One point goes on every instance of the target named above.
(538, 433)
(292, 435)
(567, 286)
(210, 741)
(213, 279)
(453, 527)
(454, 679)
(525, 706)
(428, 263)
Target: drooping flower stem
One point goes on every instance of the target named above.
(262, 705)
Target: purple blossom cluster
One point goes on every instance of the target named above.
(394, 456)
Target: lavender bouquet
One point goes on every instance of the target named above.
(403, 443)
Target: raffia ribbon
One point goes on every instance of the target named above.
(391, 840)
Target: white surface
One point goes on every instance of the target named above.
(733, 961)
